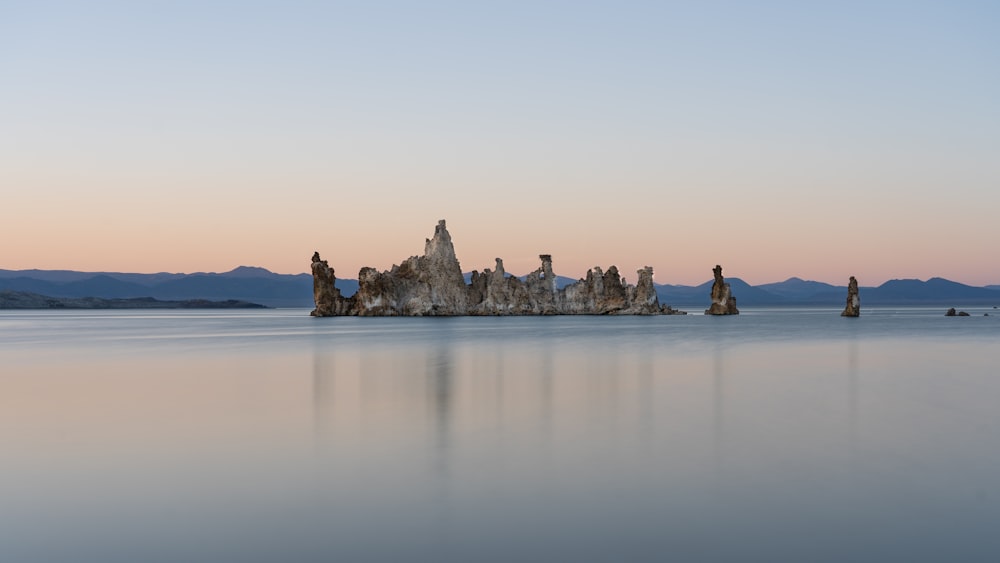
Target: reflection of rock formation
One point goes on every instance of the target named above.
(853, 308)
(723, 302)
(433, 284)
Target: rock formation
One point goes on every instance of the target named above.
(433, 285)
(428, 285)
(951, 313)
(329, 301)
(723, 302)
(853, 308)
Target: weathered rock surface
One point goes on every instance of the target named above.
(428, 285)
(433, 284)
(329, 301)
(723, 302)
(853, 308)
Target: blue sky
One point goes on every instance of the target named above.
(777, 138)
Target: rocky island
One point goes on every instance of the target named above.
(723, 301)
(433, 285)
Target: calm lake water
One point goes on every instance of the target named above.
(778, 435)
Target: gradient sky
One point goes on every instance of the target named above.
(820, 140)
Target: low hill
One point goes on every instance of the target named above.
(25, 300)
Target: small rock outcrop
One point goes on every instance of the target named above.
(952, 313)
(433, 285)
(723, 301)
(853, 308)
(329, 301)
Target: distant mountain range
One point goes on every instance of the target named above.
(24, 300)
(255, 285)
(258, 285)
(796, 291)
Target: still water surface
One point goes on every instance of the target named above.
(778, 435)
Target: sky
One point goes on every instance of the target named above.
(778, 139)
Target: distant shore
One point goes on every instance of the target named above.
(27, 300)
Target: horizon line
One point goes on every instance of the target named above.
(708, 280)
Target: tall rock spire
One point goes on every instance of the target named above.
(853, 308)
(723, 302)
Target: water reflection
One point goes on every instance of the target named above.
(440, 392)
(645, 400)
(853, 390)
(503, 439)
(718, 405)
(323, 378)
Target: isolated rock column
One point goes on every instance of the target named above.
(853, 308)
(723, 302)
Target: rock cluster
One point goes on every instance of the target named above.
(433, 285)
(853, 308)
(723, 302)
(952, 313)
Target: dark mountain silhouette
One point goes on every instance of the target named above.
(25, 300)
(259, 285)
(256, 285)
(97, 285)
(58, 276)
(249, 272)
(698, 296)
(938, 291)
(800, 289)
(795, 291)
(104, 285)
(32, 285)
(64, 276)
